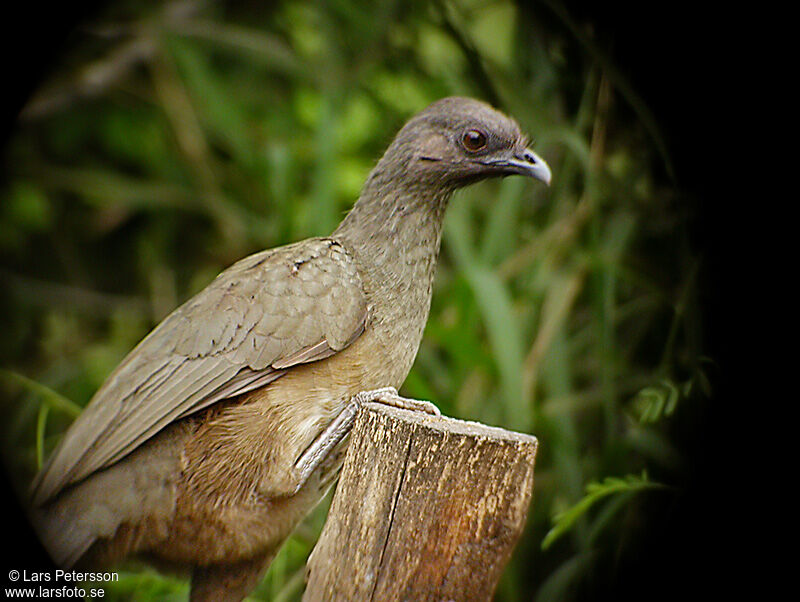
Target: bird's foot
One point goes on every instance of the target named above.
(341, 426)
(390, 397)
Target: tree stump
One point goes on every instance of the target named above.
(426, 508)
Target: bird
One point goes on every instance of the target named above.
(229, 422)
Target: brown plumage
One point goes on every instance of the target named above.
(228, 422)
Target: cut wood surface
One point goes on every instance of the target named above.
(426, 508)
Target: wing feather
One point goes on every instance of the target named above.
(263, 315)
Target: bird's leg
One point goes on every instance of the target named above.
(389, 397)
(324, 443)
(337, 430)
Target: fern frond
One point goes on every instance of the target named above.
(595, 492)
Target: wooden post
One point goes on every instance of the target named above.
(426, 508)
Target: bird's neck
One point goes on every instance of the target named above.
(394, 232)
(396, 226)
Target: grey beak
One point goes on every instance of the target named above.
(530, 164)
(524, 163)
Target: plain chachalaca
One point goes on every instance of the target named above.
(228, 422)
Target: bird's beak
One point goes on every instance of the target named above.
(530, 164)
(525, 163)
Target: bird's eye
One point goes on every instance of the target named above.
(474, 140)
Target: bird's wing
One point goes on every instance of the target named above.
(268, 312)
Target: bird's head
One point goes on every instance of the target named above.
(457, 141)
(452, 143)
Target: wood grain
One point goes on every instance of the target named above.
(426, 508)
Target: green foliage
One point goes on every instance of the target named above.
(171, 143)
(49, 397)
(595, 492)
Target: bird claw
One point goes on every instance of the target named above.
(390, 397)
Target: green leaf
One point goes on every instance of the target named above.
(502, 327)
(28, 207)
(52, 398)
(595, 492)
(220, 111)
(502, 222)
(41, 426)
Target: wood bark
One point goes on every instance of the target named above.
(426, 508)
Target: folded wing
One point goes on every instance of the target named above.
(268, 312)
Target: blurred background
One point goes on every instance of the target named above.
(169, 139)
